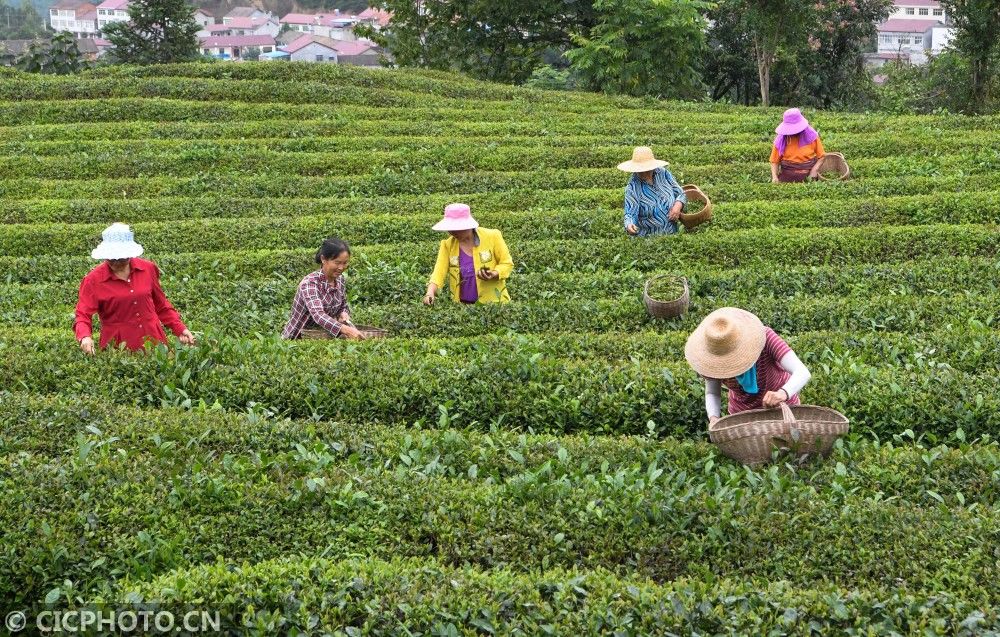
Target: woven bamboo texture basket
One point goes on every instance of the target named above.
(670, 308)
(367, 331)
(694, 193)
(751, 436)
(834, 162)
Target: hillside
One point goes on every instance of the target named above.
(538, 468)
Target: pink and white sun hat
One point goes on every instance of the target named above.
(457, 216)
(792, 123)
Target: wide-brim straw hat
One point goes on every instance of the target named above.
(457, 216)
(117, 242)
(642, 161)
(725, 344)
(792, 123)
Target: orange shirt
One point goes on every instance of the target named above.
(798, 155)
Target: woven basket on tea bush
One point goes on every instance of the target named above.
(367, 331)
(751, 436)
(833, 163)
(667, 308)
(694, 219)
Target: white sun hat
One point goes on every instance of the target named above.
(117, 242)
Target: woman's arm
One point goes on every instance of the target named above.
(630, 218)
(505, 264)
(774, 172)
(164, 310)
(86, 307)
(437, 276)
(800, 375)
(713, 398)
(675, 188)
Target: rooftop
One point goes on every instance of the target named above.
(214, 41)
(114, 5)
(305, 40)
(897, 25)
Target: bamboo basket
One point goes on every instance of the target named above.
(833, 162)
(690, 221)
(367, 331)
(667, 309)
(751, 436)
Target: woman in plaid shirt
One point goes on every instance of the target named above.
(321, 300)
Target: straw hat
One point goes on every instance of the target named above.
(642, 160)
(792, 123)
(117, 242)
(457, 216)
(726, 344)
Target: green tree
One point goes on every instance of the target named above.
(818, 60)
(643, 47)
(977, 38)
(60, 56)
(158, 32)
(499, 41)
(20, 22)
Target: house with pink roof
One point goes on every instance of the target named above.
(914, 29)
(111, 11)
(317, 48)
(243, 26)
(78, 18)
(376, 18)
(235, 47)
(336, 25)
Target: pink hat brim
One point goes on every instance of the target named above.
(792, 129)
(447, 225)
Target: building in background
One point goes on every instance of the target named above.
(242, 26)
(245, 12)
(236, 47)
(203, 18)
(78, 18)
(111, 11)
(914, 29)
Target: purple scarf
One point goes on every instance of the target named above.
(806, 137)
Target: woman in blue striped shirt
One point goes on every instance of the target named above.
(653, 198)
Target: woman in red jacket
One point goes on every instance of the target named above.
(125, 293)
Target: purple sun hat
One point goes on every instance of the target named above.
(792, 123)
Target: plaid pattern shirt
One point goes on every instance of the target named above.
(317, 304)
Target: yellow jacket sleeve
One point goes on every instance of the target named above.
(441, 267)
(505, 265)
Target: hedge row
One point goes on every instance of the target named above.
(520, 387)
(379, 283)
(140, 504)
(357, 597)
(683, 253)
(411, 179)
(107, 152)
(454, 157)
(859, 195)
(271, 232)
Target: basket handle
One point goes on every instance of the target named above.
(789, 419)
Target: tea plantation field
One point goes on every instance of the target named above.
(539, 468)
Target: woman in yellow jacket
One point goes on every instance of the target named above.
(475, 260)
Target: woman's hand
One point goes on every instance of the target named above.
(87, 345)
(675, 211)
(713, 419)
(351, 332)
(774, 398)
(775, 180)
(631, 228)
(487, 275)
(430, 295)
(187, 338)
(344, 317)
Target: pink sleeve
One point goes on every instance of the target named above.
(774, 345)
